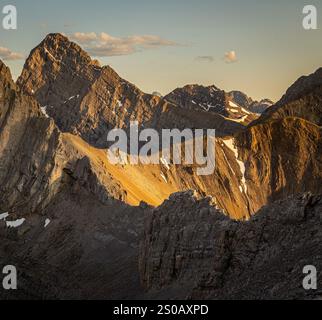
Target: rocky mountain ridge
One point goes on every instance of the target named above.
(88, 100)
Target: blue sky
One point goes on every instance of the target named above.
(271, 47)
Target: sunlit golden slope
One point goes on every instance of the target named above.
(141, 183)
(154, 184)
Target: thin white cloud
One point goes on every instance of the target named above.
(205, 59)
(84, 38)
(105, 45)
(7, 54)
(230, 57)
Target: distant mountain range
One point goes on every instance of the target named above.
(128, 231)
(243, 100)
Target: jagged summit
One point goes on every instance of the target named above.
(211, 99)
(51, 59)
(82, 97)
(56, 35)
(61, 48)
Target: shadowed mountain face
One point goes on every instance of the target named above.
(259, 259)
(185, 248)
(76, 248)
(84, 217)
(235, 105)
(82, 97)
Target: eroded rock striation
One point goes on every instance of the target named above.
(190, 250)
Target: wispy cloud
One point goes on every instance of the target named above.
(84, 38)
(7, 54)
(230, 57)
(105, 45)
(208, 59)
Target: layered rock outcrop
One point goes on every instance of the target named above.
(31, 153)
(191, 251)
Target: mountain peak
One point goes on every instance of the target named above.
(59, 48)
(56, 57)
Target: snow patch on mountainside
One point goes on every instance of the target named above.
(44, 111)
(47, 222)
(16, 223)
(231, 145)
(233, 105)
(4, 216)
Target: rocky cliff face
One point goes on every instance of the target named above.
(282, 149)
(190, 250)
(186, 248)
(30, 149)
(282, 158)
(34, 154)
